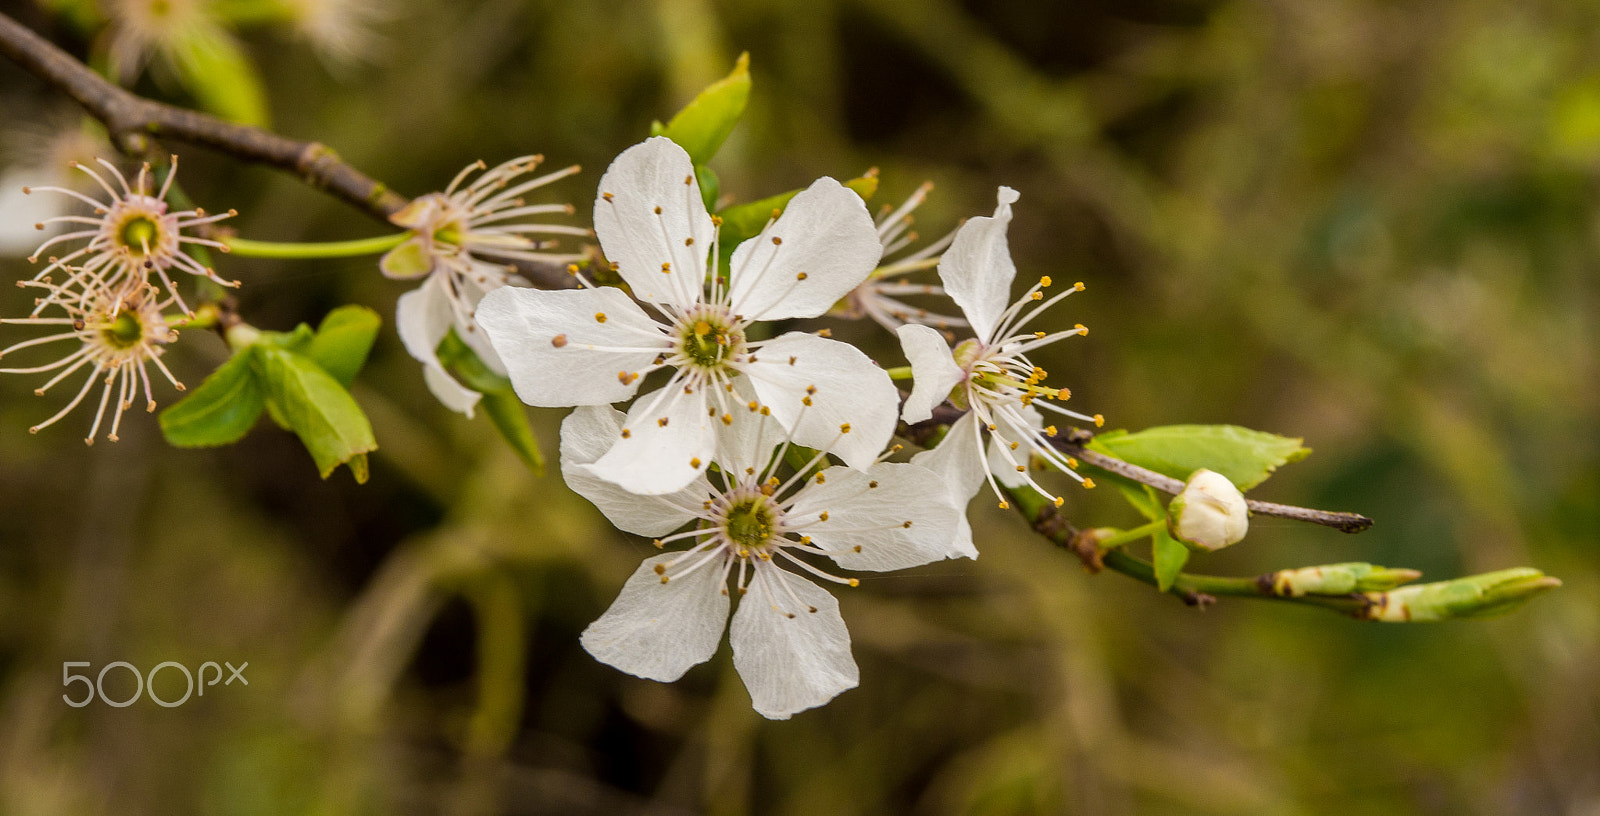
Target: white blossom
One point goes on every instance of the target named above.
(758, 534)
(990, 375)
(594, 346)
(128, 236)
(461, 239)
(879, 297)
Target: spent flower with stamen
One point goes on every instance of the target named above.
(130, 235)
(990, 375)
(879, 296)
(754, 534)
(595, 345)
(116, 334)
(461, 240)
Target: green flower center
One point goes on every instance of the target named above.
(708, 342)
(750, 523)
(138, 233)
(124, 332)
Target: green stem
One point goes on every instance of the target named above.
(1130, 536)
(899, 373)
(329, 249)
(1190, 586)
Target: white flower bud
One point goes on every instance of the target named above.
(1209, 514)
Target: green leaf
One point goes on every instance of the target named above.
(704, 124)
(865, 186)
(317, 408)
(710, 185)
(295, 341)
(214, 67)
(463, 362)
(511, 419)
(223, 409)
(1246, 457)
(1169, 555)
(1143, 498)
(343, 341)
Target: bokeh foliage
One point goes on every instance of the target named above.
(1368, 224)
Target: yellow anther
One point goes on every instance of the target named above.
(659, 545)
(1082, 330)
(1078, 286)
(626, 433)
(1050, 430)
(662, 422)
(800, 276)
(1045, 281)
(821, 479)
(658, 210)
(845, 428)
(1060, 501)
(907, 525)
(855, 582)
(1088, 484)
(666, 266)
(1099, 421)
(1005, 505)
(727, 419)
(806, 401)
(558, 341)
(823, 516)
(660, 568)
(1071, 462)
(825, 332)
(776, 240)
(695, 463)
(599, 317)
(754, 405)
(702, 327)
(1037, 296)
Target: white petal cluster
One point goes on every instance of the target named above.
(595, 346)
(1209, 513)
(460, 242)
(755, 535)
(989, 375)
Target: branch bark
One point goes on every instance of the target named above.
(133, 121)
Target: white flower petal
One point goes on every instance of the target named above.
(977, 268)
(933, 369)
(558, 353)
(871, 521)
(959, 462)
(790, 664)
(649, 212)
(825, 234)
(422, 317)
(586, 434)
(751, 438)
(656, 458)
(472, 289)
(452, 394)
(657, 631)
(849, 389)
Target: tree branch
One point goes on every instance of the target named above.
(132, 120)
(1073, 443)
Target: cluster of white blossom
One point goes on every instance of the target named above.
(99, 299)
(705, 456)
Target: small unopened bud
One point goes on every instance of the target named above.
(1209, 513)
(1476, 596)
(1337, 579)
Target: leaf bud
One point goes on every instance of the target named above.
(1337, 579)
(1476, 596)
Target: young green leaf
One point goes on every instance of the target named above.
(463, 362)
(214, 67)
(220, 411)
(317, 408)
(742, 222)
(343, 341)
(1246, 457)
(511, 419)
(1169, 555)
(704, 124)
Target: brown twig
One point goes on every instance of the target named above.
(1073, 444)
(132, 120)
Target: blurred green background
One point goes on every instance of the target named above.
(1370, 224)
